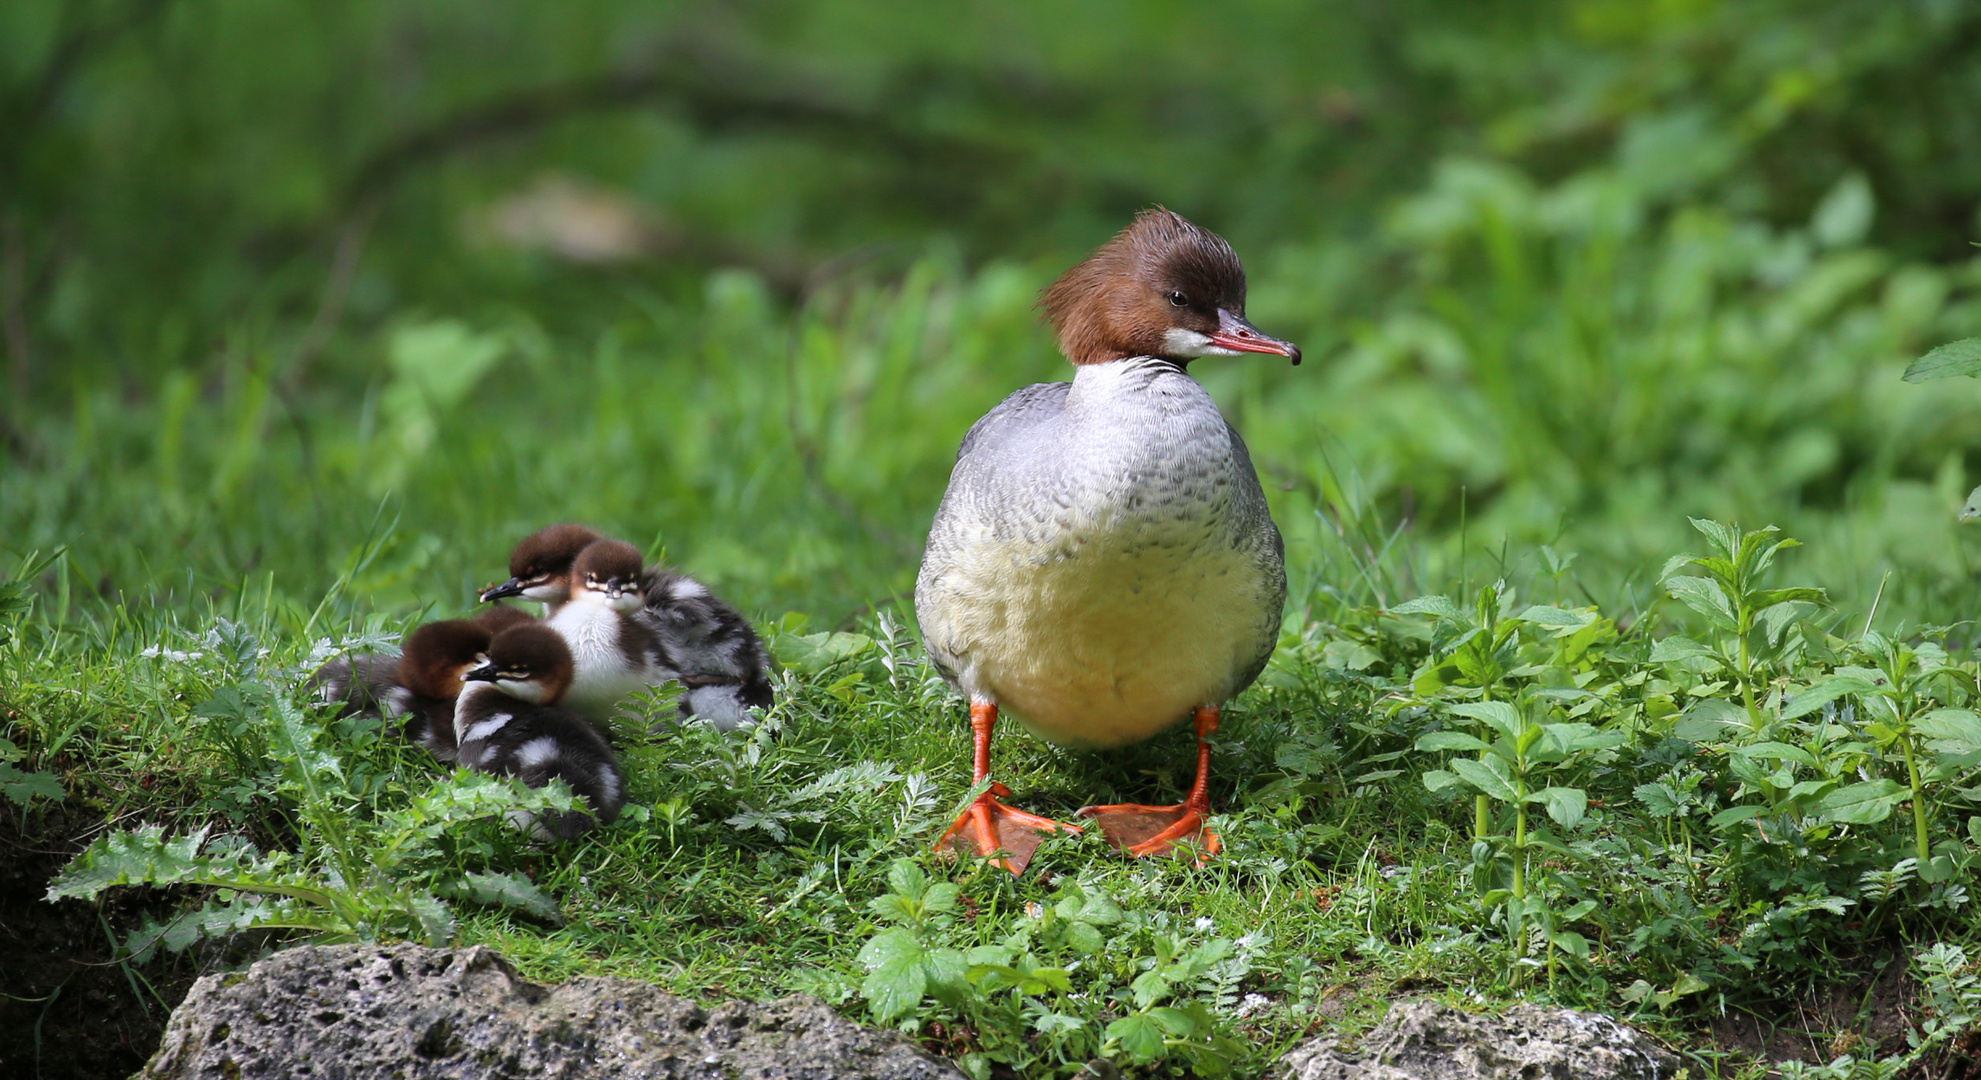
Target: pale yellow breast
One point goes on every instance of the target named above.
(1108, 645)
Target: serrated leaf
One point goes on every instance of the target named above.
(1961, 357)
(894, 988)
(907, 878)
(21, 787)
(436, 921)
(946, 975)
(1489, 776)
(891, 946)
(1705, 597)
(1724, 537)
(1660, 798)
(510, 891)
(1559, 618)
(140, 856)
(1439, 606)
(1140, 1036)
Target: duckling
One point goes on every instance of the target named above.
(614, 654)
(710, 647)
(1103, 564)
(430, 674)
(387, 686)
(509, 722)
(363, 684)
(717, 653)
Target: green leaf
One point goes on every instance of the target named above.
(1439, 779)
(1725, 537)
(1865, 803)
(1496, 714)
(1826, 691)
(21, 787)
(1676, 648)
(1489, 776)
(1573, 738)
(1777, 751)
(1438, 606)
(1566, 805)
(1961, 357)
(141, 856)
(1767, 598)
(1557, 618)
(1174, 1020)
(894, 988)
(1950, 731)
(1140, 1035)
(1660, 798)
(436, 922)
(1451, 740)
(510, 891)
(889, 946)
(812, 654)
(1345, 655)
(1705, 597)
(906, 878)
(1734, 815)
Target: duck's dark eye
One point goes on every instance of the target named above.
(1179, 299)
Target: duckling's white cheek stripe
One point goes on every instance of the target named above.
(487, 727)
(537, 751)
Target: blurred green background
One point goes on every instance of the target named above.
(309, 295)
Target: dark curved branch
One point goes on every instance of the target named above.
(712, 106)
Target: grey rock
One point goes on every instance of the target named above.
(405, 1012)
(1423, 1040)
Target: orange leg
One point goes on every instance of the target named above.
(987, 827)
(1154, 830)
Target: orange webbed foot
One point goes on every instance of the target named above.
(999, 833)
(1142, 831)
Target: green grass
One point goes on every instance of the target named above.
(1541, 395)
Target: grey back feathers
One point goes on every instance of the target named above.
(719, 657)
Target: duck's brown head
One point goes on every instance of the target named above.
(1162, 287)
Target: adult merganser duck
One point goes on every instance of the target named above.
(1103, 563)
(509, 723)
(712, 649)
